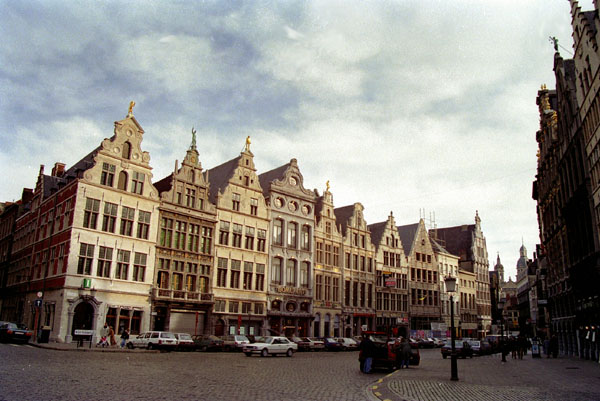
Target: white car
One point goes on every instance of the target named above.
(271, 346)
(153, 340)
(348, 344)
(185, 342)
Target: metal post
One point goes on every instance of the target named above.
(503, 348)
(453, 366)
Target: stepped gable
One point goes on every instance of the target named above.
(407, 236)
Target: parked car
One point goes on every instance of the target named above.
(463, 349)
(438, 342)
(358, 339)
(185, 342)
(385, 351)
(234, 342)
(316, 344)
(480, 347)
(348, 344)
(425, 342)
(12, 332)
(208, 342)
(271, 346)
(301, 343)
(331, 344)
(163, 340)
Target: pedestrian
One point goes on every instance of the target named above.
(367, 350)
(124, 337)
(406, 353)
(554, 346)
(513, 347)
(103, 335)
(111, 336)
(547, 347)
(521, 346)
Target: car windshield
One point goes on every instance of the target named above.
(185, 336)
(241, 338)
(457, 344)
(167, 335)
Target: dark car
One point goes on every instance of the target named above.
(385, 351)
(331, 344)
(12, 332)
(463, 349)
(208, 342)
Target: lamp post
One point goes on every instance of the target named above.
(502, 346)
(451, 289)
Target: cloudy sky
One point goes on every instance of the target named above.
(420, 108)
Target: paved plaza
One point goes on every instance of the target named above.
(68, 373)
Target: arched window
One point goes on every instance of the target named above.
(126, 150)
(122, 184)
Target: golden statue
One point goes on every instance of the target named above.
(131, 105)
(327, 183)
(248, 143)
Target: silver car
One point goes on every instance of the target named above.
(271, 346)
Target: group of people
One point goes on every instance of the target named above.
(107, 337)
(517, 346)
(401, 347)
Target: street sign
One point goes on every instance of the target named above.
(84, 332)
(37, 303)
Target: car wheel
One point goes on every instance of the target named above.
(204, 348)
(130, 345)
(150, 346)
(248, 353)
(444, 356)
(289, 352)
(264, 352)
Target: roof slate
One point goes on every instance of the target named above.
(407, 236)
(458, 240)
(265, 179)
(342, 215)
(219, 176)
(377, 230)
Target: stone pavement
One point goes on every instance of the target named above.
(488, 378)
(85, 348)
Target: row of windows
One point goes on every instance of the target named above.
(467, 301)
(236, 200)
(358, 294)
(390, 301)
(421, 257)
(327, 288)
(251, 234)
(222, 305)
(328, 254)
(424, 297)
(392, 259)
(359, 262)
(291, 239)
(107, 178)
(236, 280)
(109, 218)
(105, 261)
(54, 220)
(291, 275)
(393, 280)
(423, 275)
(184, 235)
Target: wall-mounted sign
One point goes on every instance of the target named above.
(291, 290)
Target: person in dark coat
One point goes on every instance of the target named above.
(406, 351)
(367, 351)
(554, 346)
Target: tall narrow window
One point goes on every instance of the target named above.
(259, 285)
(123, 178)
(249, 238)
(262, 239)
(110, 217)
(278, 232)
(276, 267)
(248, 271)
(237, 235)
(319, 287)
(108, 174)
(166, 232)
(224, 233)
(193, 237)
(143, 224)
(180, 231)
(306, 238)
(290, 272)
(304, 274)
(291, 235)
(235, 199)
(234, 281)
(319, 252)
(139, 266)
(222, 272)
(253, 206)
(190, 197)
(122, 264)
(126, 154)
(127, 215)
(206, 244)
(137, 183)
(90, 215)
(86, 256)
(104, 262)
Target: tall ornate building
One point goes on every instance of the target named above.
(85, 249)
(182, 296)
(391, 289)
(328, 269)
(241, 251)
(424, 282)
(359, 270)
(447, 267)
(290, 287)
(468, 242)
(567, 185)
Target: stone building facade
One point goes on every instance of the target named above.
(290, 284)
(391, 289)
(328, 277)
(182, 295)
(241, 247)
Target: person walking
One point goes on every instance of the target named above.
(554, 346)
(124, 337)
(103, 335)
(406, 353)
(367, 350)
(111, 336)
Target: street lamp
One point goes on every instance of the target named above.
(502, 347)
(451, 289)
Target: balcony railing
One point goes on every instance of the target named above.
(184, 295)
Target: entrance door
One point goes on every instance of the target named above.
(83, 317)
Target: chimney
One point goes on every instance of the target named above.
(58, 170)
